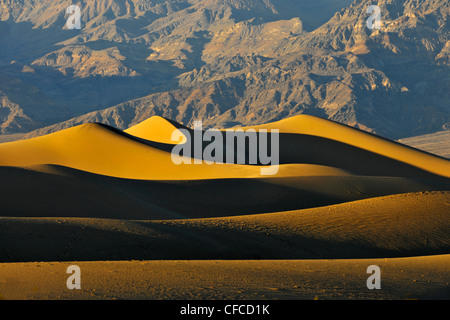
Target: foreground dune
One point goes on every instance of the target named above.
(391, 226)
(401, 278)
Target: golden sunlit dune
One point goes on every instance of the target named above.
(340, 151)
(168, 150)
(96, 193)
(309, 125)
(99, 149)
(308, 139)
(155, 129)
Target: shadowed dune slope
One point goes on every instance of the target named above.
(314, 126)
(392, 226)
(311, 140)
(54, 191)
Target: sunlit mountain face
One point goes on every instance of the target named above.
(226, 63)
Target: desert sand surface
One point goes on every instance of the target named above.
(11, 137)
(314, 126)
(402, 278)
(392, 226)
(100, 149)
(105, 198)
(437, 143)
(157, 129)
(53, 191)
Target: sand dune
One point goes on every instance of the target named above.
(93, 193)
(55, 191)
(392, 226)
(100, 149)
(314, 126)
(327, 149)
(156, 129)
(402, 278)
(311, 140)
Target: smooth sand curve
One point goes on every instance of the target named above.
(391, 226)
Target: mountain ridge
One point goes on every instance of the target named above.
(243, 62)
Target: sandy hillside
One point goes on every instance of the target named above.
(96, 171)
(314, 126)
(95, 193)
(53, 191)
(103, 150)
(391, 226)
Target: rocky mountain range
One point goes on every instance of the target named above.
(225, 62)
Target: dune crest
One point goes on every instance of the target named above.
(96, 193)
(139, 153)
(157, 129)
(102, 150)
(310, 125)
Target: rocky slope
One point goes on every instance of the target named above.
(233, 62)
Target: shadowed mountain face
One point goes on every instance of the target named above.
(227, 63)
